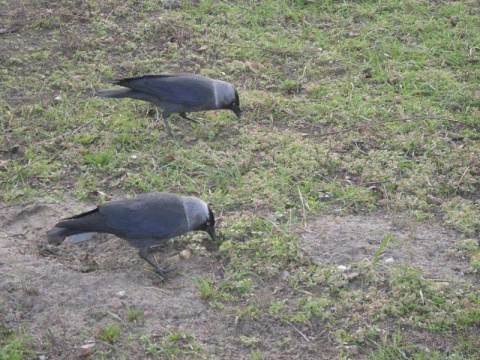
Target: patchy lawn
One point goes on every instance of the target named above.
(347, 195)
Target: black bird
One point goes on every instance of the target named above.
(178, 94)
(143, 221)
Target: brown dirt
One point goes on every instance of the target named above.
(421, 245)
(64, 296)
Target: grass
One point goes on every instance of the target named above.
(173, 344)
(356, 107)
(110, 333)
(12, 345)
(135, 314)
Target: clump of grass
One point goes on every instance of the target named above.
(173, 344)
(13, 346)
(111, 333)
(470, 249)
(135, 314)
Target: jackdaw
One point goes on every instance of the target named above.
(180, 94)
(143, 221)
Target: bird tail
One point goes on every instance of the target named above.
(115, 93)
(57, 235)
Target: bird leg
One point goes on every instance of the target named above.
(184, 115)
(143, 253)
(165, 120)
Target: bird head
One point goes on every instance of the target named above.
(226, 97)
(235, 105)
(210, 225)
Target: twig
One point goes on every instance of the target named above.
(461, 178)
(372, 183)
(78, 128)
(50, 11)
(302, 334)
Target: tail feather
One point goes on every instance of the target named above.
(58, 235)
(126, 93)
(115, 93)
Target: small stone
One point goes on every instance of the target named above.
(442, 285)
(434, 200)
(454, 106)
(389, 261)
(120, 294)
(171, 4)
(284, 275)
(84, 352)
(342, 267)
(186, 254)
(351, 276)
(453, 20)
(168, 159)
(14, 149)
(58, 98)
(175, 259)
(116, 303)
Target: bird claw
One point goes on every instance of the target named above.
(162, 272)
(172, 137)
(184, 115)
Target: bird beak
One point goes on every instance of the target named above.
(237, 111)
(211, 232)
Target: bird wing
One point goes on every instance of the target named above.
(145, 217)
(90, 221)
(183, 89)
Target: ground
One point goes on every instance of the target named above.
(347, 195)
(76, 290)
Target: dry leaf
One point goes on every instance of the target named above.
(202, 48)
(254, 66)
(168, 159)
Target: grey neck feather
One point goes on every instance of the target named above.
(224, 93)
(196, 211)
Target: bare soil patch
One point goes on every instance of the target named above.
(424, 246)
(65, 296)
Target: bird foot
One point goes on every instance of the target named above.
(171, 137)
(162, 272)
(183, 115)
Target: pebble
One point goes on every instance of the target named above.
(351, 276)
(116, 303)
(186, 254)
(84, 352)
